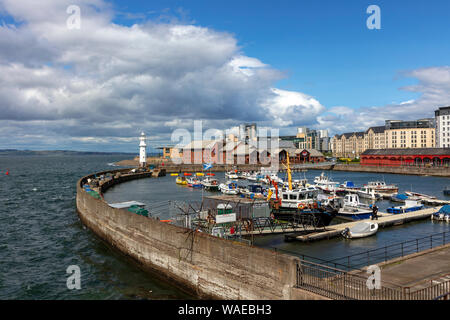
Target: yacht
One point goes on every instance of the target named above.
(325, 184)
(368, 193)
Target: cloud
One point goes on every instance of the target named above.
(433, 86)
(110, 80)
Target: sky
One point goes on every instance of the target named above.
(157, 66)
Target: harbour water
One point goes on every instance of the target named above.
(153, 191)
(42, 235)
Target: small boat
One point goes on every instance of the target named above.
(419, 195)
(174, 174)
(181, 181)
(368, 193)
(230, 187)
(352, 209)
(253, 191)
(211, 184)
(231, 175)
(400, 197)
(381, 186)
(325, 184)
(443, 214)
(194, 183)
(446, 191)
(199, 174)
(360, 230)
(410, 205)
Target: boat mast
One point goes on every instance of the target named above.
(289, 171)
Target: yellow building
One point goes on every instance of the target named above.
(395, 134)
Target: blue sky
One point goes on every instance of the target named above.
(158, 66)
(325, 47)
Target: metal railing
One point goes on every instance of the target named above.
(339, 284)
(362, 259)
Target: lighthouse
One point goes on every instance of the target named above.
(142, 150)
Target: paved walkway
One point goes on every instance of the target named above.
(420, 270)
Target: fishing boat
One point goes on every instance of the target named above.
(443, 214)
(368, 193)
(352, 208)
(253, 191)
(194, 183)
(181, 181)
(410, 205)
(382, 187)
(360, 230)
(299, 204)
(210, 184)
(230, 187)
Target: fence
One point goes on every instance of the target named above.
(359, 260)
(339, 284)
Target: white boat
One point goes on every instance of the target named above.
(231, 175)
(382, 187)
(410, 205)
(297, 198)
(325, 184)
(210, 184)
(443, 214)
(351, 208)
(368, 193)
(230, 187)
(360, 230)
(420, 196)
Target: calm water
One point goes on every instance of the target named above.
(41, 236)
(151, 191)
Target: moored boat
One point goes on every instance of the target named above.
(181, 181)
(210, 184)
(410, 205)
(352, 208)
(360, 230)
(230, 187)
(443, 214)
(382, 187)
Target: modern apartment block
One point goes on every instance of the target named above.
(310, 139)
(442, 119)
(395, 134)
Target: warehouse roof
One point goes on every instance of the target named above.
(409, 151)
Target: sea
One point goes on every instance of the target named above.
(41, 235)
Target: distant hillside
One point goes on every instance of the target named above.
(14, 152)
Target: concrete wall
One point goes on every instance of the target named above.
(209, 266)
(439, 172)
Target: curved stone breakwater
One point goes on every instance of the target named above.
(210, 267)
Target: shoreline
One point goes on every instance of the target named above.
(407, 170)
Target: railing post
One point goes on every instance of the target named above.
(417, 245)
(402, 249)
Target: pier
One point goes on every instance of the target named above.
(384, 220)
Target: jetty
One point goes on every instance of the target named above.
(384, 220)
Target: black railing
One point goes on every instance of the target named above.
(360, 260)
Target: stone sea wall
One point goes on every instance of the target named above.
(208, 266)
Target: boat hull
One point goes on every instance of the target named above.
(320, 218)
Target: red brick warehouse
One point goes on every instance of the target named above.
(436, 157)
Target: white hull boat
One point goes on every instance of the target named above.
(360, 230)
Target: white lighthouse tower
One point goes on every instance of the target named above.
(142, 150)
